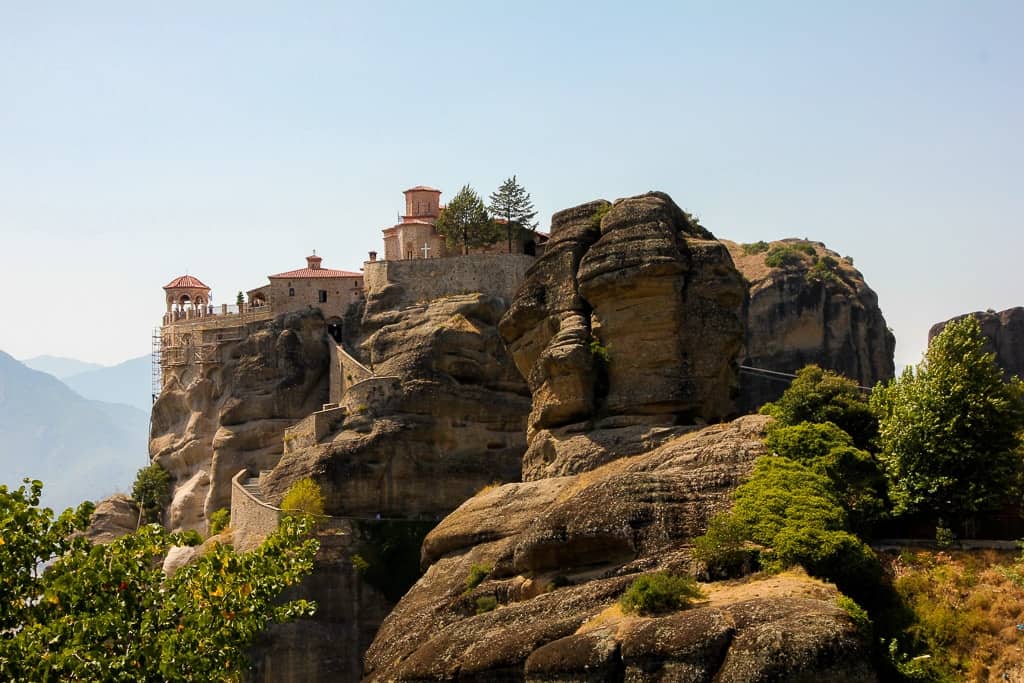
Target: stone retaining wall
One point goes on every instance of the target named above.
(345, 371)
(374, 395)
(308, 431)
(421, 280)
(252, 520)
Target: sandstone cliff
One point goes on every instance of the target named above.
(560, 552)
(1004, 332)
(626, 330)
(444, 416)
(212, 419)
(807, 304)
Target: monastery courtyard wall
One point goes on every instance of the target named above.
(425, 279)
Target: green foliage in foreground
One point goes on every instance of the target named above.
(108, 612)
(152, 491)
(818, 395)
(950, 429)
(659, 592)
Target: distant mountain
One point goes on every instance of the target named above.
(60, 367)
(80, 449)
(129, 382)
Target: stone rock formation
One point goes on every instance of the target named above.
(448, 420)
(812, 306)
(212, 420)
(1004, 332)
(626, 329)
(561, 550)
(113, 518)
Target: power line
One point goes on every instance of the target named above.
(780, 376)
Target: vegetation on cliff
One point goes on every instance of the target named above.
(108, 612)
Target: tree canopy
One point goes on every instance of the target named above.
(464, 221)
(108, 612)
(949, 429)
(818, 395)
(512, 202)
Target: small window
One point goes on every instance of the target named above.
(323, 296)
(291, 291)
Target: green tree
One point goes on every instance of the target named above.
(304, 497)
(108, 612)
(464, 221)
(949, 429)
(512, 202)
(818, 395)
(152, 491)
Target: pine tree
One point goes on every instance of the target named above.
(512, 202)
(465, 221)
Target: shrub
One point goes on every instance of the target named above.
(360, 564)
(818, 395)
(219, 520)
(486, 603)
(723, 548)
(789, 254)
(598, 351)
(477, 573)
(152, 491)
(857, 614)
(304, 498)
(598, 215)
(823, 270)
(659, 592)
(754, 248)
(796, 513)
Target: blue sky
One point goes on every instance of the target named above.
(139, 140)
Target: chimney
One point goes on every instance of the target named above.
(373, 256)
(313, 262)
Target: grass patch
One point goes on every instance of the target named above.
(477, 574)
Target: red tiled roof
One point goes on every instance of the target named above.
(313, 272)
(421, 188)
(185, 281)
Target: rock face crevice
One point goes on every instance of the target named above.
(629, 323)
(814, 308)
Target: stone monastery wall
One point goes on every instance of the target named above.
(425, 279)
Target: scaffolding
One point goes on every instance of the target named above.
(156, 369)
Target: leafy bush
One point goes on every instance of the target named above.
(755, 248)
(723, 548)
(486, 603)
(789, 254)
(303, 498)
(477, 573)
(796, 513)
(598, 351)
(219, 520)
(659, 592)
(856, 477)
(360, 564)
(818, 395)
(823, 270)
(857, 614)
(152, 491)
(599, 214)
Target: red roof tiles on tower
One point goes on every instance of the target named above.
(185, 281)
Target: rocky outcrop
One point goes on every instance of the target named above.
(1004, 335)
(626, 329)
(448, 418)
(807, 304)
(113, 518)
(213, 419)
(561, 550)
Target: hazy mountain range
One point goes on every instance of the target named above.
(80, 447)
